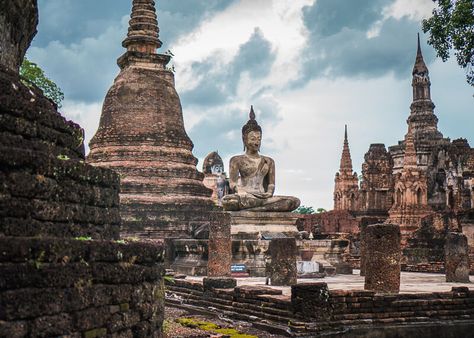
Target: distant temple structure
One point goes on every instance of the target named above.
(425, 183)
(142, 137)
(346, 188)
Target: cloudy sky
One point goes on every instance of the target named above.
(307, 66)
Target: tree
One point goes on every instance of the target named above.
(304, 210)
(31, 74)
(452, 27)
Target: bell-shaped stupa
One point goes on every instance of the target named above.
(142, 137)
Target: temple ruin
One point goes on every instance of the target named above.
(424, 183)
(141, 136)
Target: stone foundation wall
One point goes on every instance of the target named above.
(80, 288)
(335, 311)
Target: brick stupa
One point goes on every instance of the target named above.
(142, 137)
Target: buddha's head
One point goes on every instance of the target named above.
(252, 133)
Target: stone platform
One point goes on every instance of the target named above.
(338, 306)
(255, 225)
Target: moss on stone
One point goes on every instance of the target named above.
(211, 327)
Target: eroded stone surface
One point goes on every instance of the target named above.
(18, 20)
(282, 268)
(220, 245)
(457, 258)
(382, 263)
(62, 271)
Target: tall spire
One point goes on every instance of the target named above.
(346, 161)
(422, 119)
(420, 66)
(143, 31)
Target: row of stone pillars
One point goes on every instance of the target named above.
(381, 257)
(281, 269)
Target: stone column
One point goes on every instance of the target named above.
(220, 245)
(457, 258)
(282, 268)
(383, 253)
(220, 254)
(363, 228)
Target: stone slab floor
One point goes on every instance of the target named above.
(411, 282)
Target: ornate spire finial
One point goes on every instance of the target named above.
(252, 113)
(418, 52)
(143, 31)
(346, 161)
(420, 66)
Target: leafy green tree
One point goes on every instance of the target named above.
(31, 74)
(320, 210)
(452, 27)
(304, 210)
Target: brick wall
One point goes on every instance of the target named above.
(63, 271)
(313, 309)
(80, 288)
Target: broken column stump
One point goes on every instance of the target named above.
(281, 269)
(383, 253)
(220, 245)
(457, 258)
(311, 301)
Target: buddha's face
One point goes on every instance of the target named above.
(253, 141)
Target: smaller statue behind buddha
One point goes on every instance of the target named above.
(252, 177)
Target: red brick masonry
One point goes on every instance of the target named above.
(333, 311)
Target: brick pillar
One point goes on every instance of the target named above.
(220, 245)
(383, 253)
(363, 228)
(457, 258)
(282, 267)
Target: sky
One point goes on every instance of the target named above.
(307, 66)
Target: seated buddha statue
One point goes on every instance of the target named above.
(252, 177)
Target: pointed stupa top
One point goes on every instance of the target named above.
(420, 66)
(409, 160)
(346, 161)
(143, 31)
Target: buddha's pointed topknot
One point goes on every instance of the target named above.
(251, 125)
(252, 113)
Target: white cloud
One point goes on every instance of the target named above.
(87, 115)
(279, 21)
(414, 9)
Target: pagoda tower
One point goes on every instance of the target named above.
(411, 192)
(346, 189)
(422, 120)
(141, 136)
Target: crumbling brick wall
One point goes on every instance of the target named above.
(63, 269)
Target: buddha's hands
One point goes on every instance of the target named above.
(263, 195)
